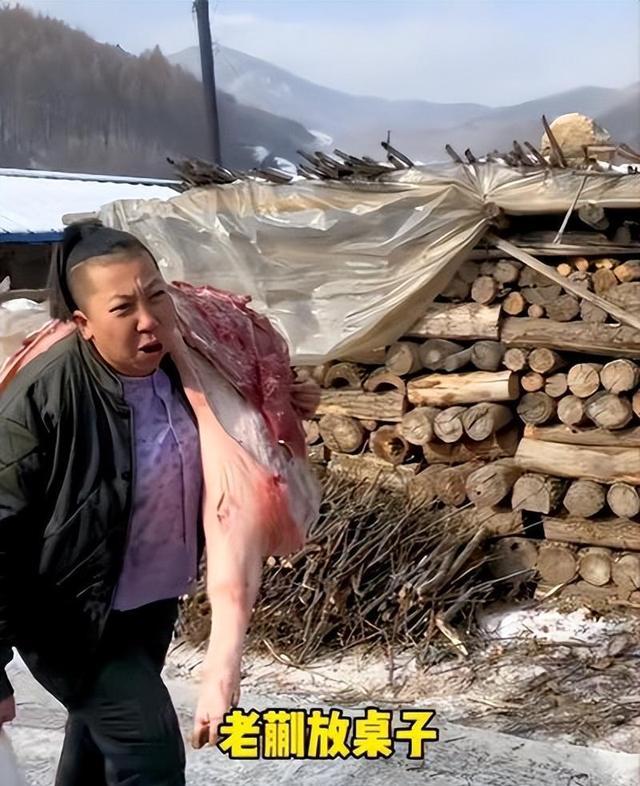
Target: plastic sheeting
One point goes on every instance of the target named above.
(343, 268)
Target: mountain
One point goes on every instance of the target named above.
(68, 102)
(261, 84)
(419, 128)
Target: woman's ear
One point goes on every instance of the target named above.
(82, 323)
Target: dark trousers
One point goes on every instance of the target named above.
(122, 729)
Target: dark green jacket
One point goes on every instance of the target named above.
(66, 480)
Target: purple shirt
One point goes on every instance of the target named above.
(161, 556)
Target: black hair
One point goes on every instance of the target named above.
(82, 241)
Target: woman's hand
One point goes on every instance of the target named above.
(305, 397)
(219, 693)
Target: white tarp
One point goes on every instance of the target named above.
(342, 268)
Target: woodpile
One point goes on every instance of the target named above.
(516, 401)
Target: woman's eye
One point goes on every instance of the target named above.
(121, 307)
(157, 294)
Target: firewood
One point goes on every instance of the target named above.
(482, 420)
(382, 380)
(581, 264)
(625, 295)
(625, 571)
(591, 313)
(456, 289)
(584, 379)
(557, 563)
(417, 425)
(388, 406)
(514, 304)
(603, 280)
(623, 500)
(515, 359)
(497, 522)
(422, 488)
(487, 355)
(531, 278)
(606, 410)
(487, 267)
(536, 311)
(317, 454)
(369, 425)
(532, 382)
(605, 264)
(582, 279)
(457, 361)
(635, 403)
(514, 558)
(601, 464)
(584, 498)
(468, 271)
(458, 322)
(451, 484)
(628, 271)
(311, 431)
(502, 444)
(434, 352)
(556, 385)
(506, 271)
(484, 290)
(386, 443)
(572, 410)
(584, 337)
(563, 309)
(594, 565)
(542, 295)
(345, 375)
(564, 269)
(372, 471)
(341, 434)
(545, 361)
(447, 424)
(471, 388)
(490, 484)
(620, 375)
(628, 438)
(537, 493)
(614, 533)
(581, 592)
(403, 357)
(316, 373)
(536, 408)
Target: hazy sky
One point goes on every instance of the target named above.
(487, 51)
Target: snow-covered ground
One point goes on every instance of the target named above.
(472, 750)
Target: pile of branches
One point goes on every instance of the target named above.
(375, 571)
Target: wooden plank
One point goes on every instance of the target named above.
(596, 437)
(389, 406)
(458, 321)
(583, 337)
(612, 533)
(600, 464)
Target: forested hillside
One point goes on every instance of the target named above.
(68, 102)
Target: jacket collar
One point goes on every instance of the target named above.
(108, 380)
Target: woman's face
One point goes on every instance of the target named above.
(125, 310)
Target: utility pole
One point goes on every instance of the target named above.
(201, 8)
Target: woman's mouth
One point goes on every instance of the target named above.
(152, 348)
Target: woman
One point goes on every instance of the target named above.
(101, 484)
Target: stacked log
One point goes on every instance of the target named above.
(514, 400)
